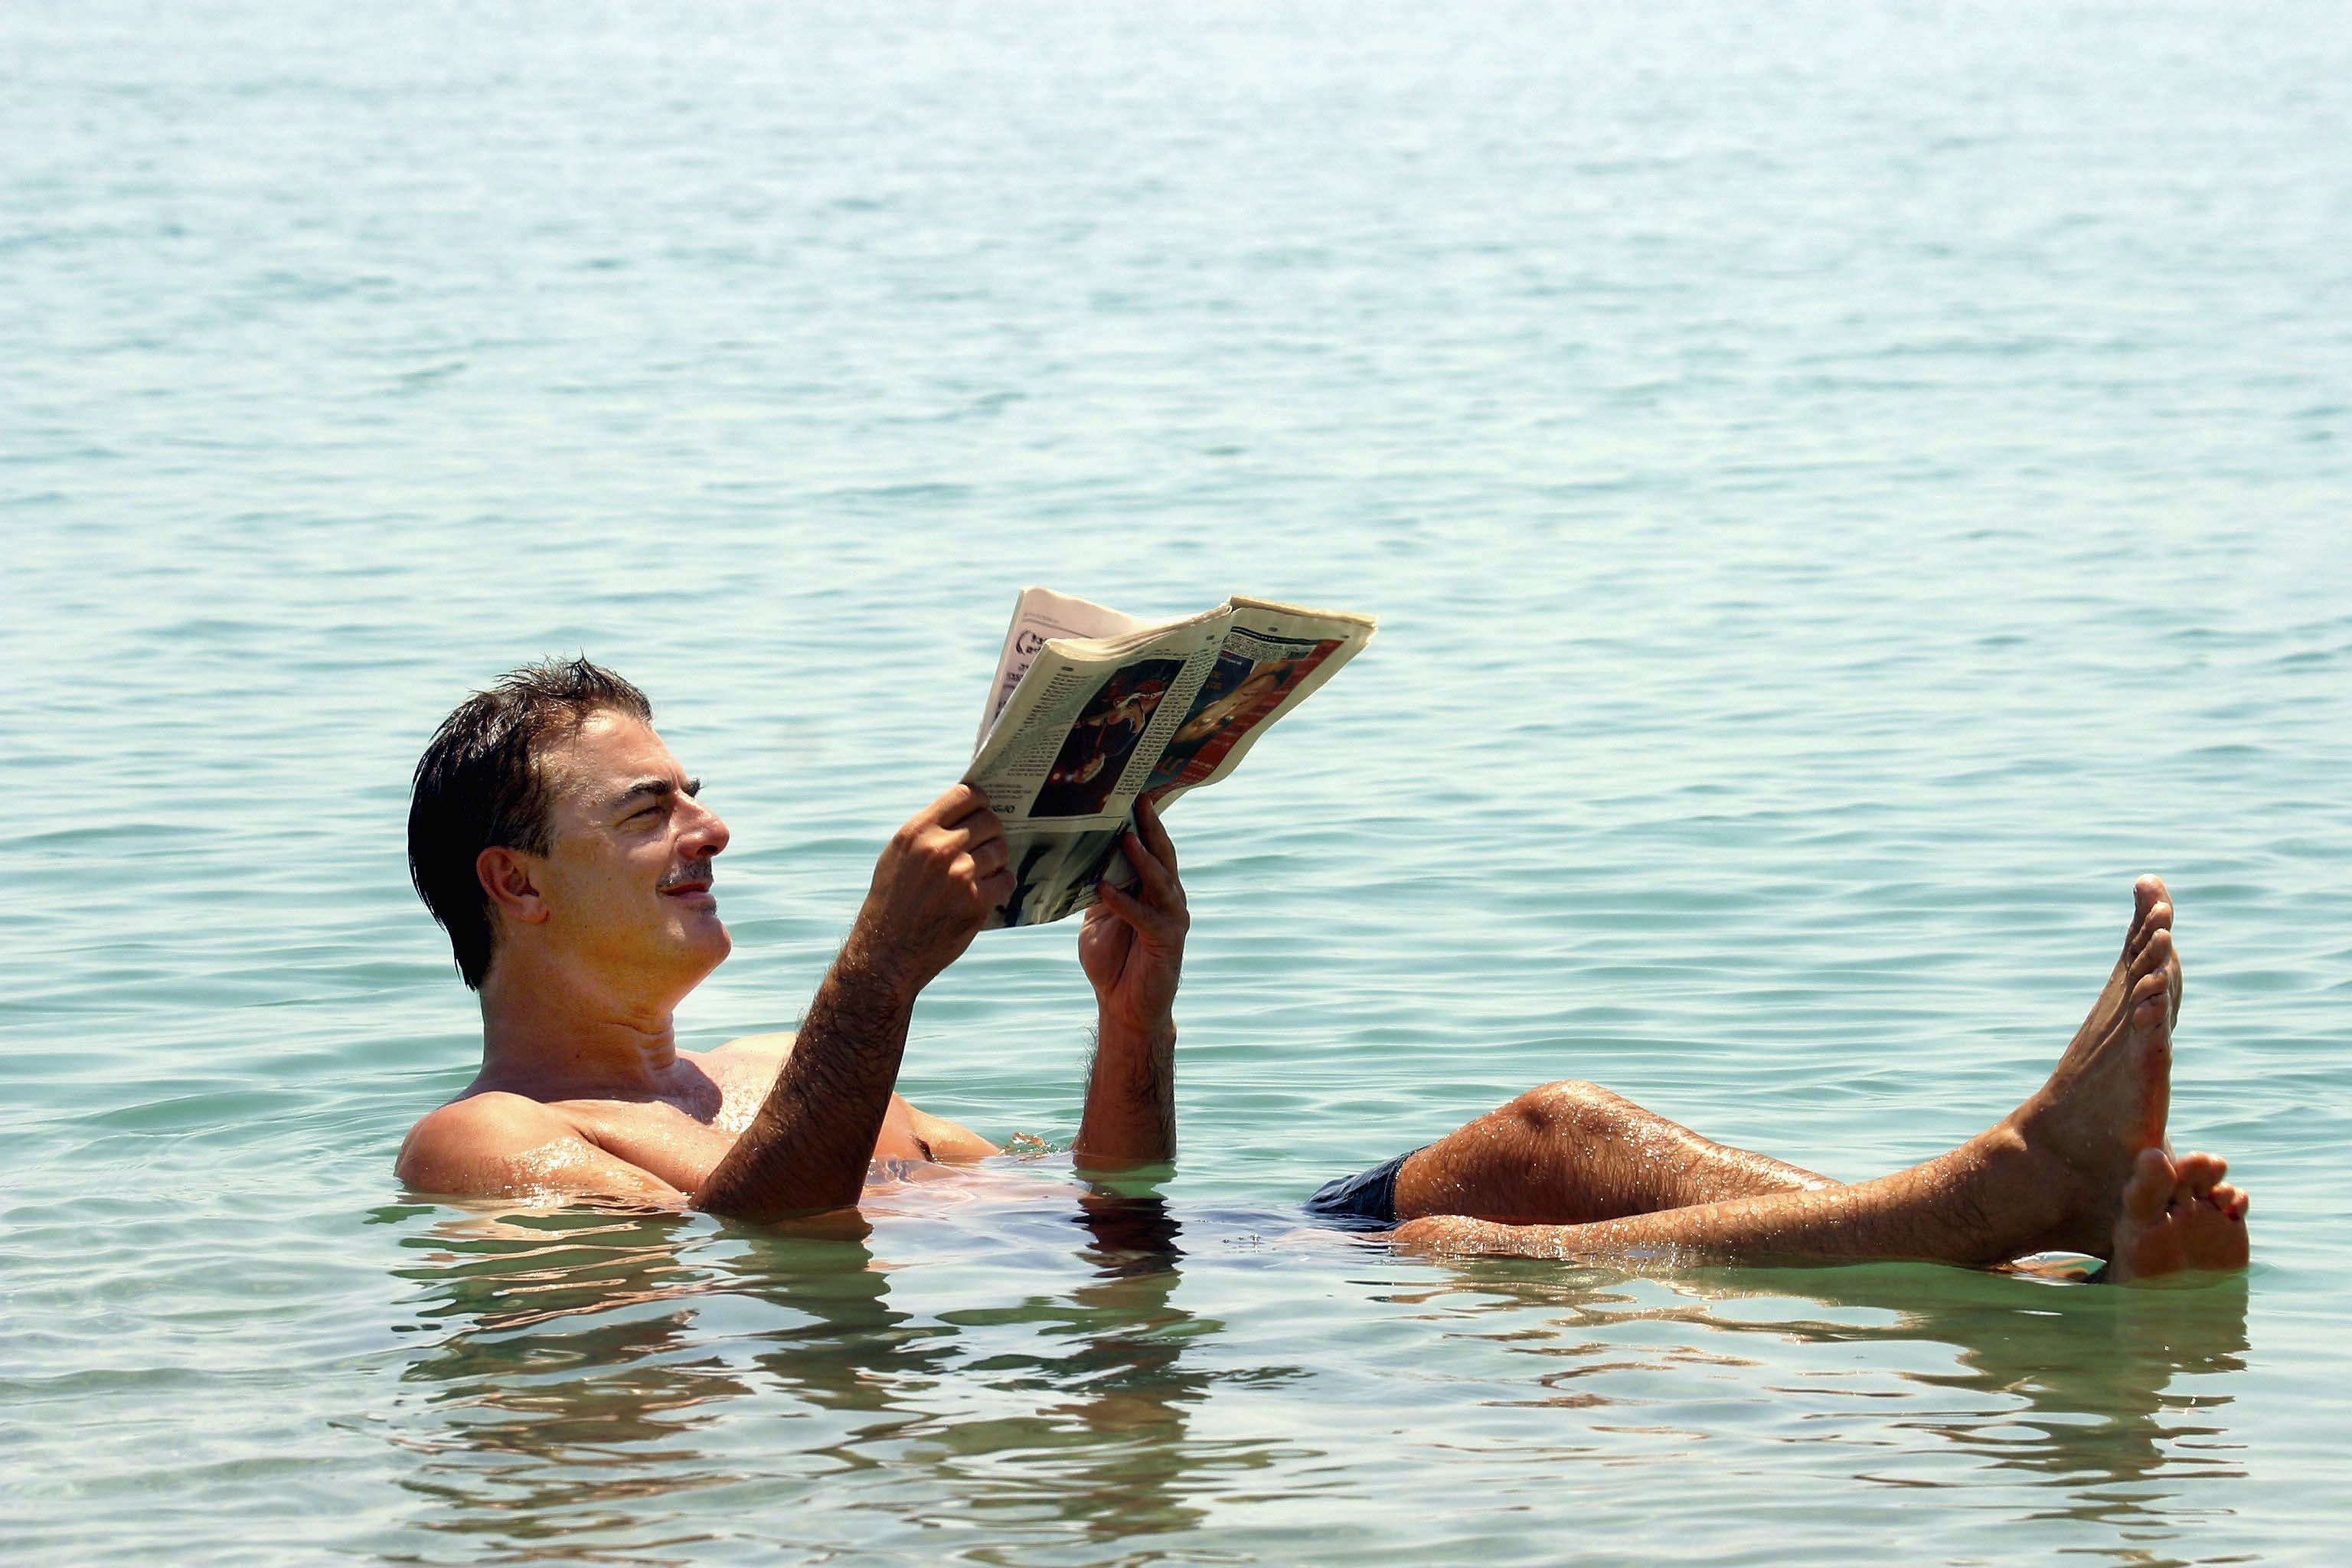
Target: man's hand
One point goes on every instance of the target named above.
(934, 886)
(1132, 945)
(1133, 948)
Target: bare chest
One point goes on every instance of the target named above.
(669, 1141)
(682, 1140)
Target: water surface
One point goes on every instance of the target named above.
(1844, 491)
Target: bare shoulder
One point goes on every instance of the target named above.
(769, 1049)
(496, 1142)
(491, 1119)
(466, 1131)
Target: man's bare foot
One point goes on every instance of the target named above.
(2178, 1217)
(2151, 912)
(2106, 1101)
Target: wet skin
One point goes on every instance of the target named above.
(583, 1091)
(1569, 1170)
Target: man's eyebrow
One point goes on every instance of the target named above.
(655, 785)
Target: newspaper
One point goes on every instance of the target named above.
(1091, 708)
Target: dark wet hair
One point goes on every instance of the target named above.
(478, 786)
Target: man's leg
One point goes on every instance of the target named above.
(1571, 1154)
(2065, 1169)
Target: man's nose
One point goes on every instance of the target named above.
(705, 836)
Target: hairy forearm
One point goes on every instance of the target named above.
(809, 1146)
(1131, 1115)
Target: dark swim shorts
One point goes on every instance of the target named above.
(1366, 1201)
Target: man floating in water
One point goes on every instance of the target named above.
(563, 847)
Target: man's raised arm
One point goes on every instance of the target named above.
(809, 1145)
(1132, 949)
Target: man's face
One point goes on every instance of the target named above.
(627, 882)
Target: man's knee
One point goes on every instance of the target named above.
(1569, 1107)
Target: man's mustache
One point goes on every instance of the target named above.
(682, 876)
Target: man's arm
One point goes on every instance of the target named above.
(937, 1137)
(808, 1146)
(948, 1143)
(1132, 949)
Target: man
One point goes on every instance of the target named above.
(565, 851)
(563, 847)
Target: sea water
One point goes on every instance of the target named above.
(1845, 489)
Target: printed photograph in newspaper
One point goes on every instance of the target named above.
(1102, 738)
(1244, 686)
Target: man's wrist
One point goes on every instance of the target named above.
(868, 970)
(1151, 1034)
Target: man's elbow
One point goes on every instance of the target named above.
(814, 1218)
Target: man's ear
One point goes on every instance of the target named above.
(508, 882)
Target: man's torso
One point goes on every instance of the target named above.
(677, 1135)
(682, 1137)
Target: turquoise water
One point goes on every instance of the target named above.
(1843, 492)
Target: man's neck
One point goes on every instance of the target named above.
(547, 1036)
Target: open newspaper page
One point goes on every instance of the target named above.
(1094, 721)
(1040, 613)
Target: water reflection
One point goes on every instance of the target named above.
(1113, 1389)
(2078, 1387)
(559, 1384)
(623, 1387)
(586, 1375)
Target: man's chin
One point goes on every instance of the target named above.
(703, 935)
(713, 940)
